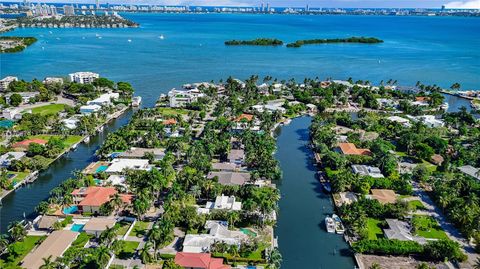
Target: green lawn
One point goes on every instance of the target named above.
(69, 141)
(140, 229)
(172, 111)
(48, 109)
(427, 227)
(128, 249)
(20, 250)
(122, 227)
(374, 230)
(81, 240)
(416, 205)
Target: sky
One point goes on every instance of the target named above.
(299, 3)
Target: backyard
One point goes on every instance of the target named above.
(121, 228)
(374, 230)
(428, 227)
(48, 109)
(69, 141)
(140, 229)
(127, 249)
(18, 250)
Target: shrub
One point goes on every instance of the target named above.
(387, 247)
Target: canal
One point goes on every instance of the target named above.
(302, 238)
(24, 200)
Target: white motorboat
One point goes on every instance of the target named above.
(329, 224)
(339, 229)
(444, 106)
(136, 101)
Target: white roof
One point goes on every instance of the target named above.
(118, 165)
(93, 107)
(104, 98)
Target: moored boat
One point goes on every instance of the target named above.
(339, 229)
(136, 101)
(327, 187)
(329, 224)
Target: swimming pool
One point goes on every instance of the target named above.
(77, 227)
(70, 210)
(97, 182)
(101, 168)
(248, 232)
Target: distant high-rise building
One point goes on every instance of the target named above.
(97, 4)
(68, 10)
(307, 8)
(268, 7)
(261, 8)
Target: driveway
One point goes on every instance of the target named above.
(449, 228)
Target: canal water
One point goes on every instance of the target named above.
(302, 238)
(24, 200)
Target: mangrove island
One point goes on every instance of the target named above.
(364, 40)
(255, 42)
(9, 44)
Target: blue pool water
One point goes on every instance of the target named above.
(97, 181)
(101, 168)
(77, 227)
(70, 210)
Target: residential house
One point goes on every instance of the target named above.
(230, 178)
(199, 261)
(53, 246)
(236, 156)
(470, 171)
(26, 96)
(222, 202)
(89, 109)
(12, 113)
(89, 199)
(139, 153)
(365, 170)
(217, 232)
(351, 149)
(230, 167)
(52, 80)
(8, 157)
(400, 230)
(118, 165)
(182, 98)
(25, 143)
(104, 99)
(404, 122)
(97, 225)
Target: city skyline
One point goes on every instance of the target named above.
(467, 4)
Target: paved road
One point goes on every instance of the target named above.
(448, 227)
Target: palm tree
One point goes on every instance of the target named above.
(106, 237)
(16, 231)
(48, 263)
(477, 264)
(66, 201)
(117, 201)
(275, 259)
(102, 255)
(144, 253)
(3, 242)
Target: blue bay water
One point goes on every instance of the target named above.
(439, 50)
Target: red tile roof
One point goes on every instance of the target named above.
(199, 260)
(170, 121)
(97, 196)
(26, 142)
(248, 117)
(351, 149)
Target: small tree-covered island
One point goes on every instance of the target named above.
(195, 179)
(255, 42)
(360, 40)
(11, 44)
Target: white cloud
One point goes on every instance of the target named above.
(472, 4)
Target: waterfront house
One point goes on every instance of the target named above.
(230, 178)
(236, 156)
(366, 170)
(96, 226)
(224, 167)
(45, 222)
(429, 120)
(89, 199)
(89, 109)
(217, 232)
(52, 80)
(71, 123)
(139, 153)
(182, 98)
(400, 230)
(25, 143)
(222, 202)
(351, 149)
(83, 77)
(244, 117)
(4, 82)
(104, 99)
(8, 157)
(384, 196)
(54, 246)
(117, 166)
(404, 122)
(199, 261)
